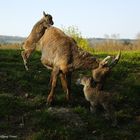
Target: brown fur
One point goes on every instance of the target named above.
(97, 97)
(61, 50)
(102, 71)
(35, 35)
(61, 54)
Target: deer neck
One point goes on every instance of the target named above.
(84, 60)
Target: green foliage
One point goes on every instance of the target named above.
(76, 34)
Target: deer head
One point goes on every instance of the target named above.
(85, 81)
(100, 73)
(48, 18)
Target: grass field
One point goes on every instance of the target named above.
(23, 111)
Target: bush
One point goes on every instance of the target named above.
(76, 34)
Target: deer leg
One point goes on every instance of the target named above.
(99, 86)
(25, 55)
(54, 75)
(28, 49)
(63, 82)
(66, 84)
(110, 113)
(68, 76)
(92, 107)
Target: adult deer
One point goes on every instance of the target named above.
(61, 54)
(35, 35)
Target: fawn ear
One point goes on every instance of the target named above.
(44, 14)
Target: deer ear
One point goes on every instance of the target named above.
(44, 14)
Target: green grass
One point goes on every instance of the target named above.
(39, 124)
